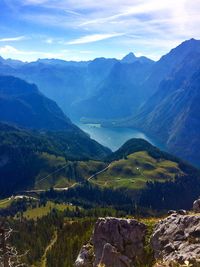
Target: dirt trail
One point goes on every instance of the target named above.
(52, 242)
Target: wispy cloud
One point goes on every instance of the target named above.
(33, 2)
(13, 39)
(152, 27)
(142, 8)
(72, 12)
(115, 15)
(93, 38)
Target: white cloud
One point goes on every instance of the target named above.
(13, 39)
(93, 38)
(49, 41)
(8, 51)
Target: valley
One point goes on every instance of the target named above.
(99, 138)
(149, 99)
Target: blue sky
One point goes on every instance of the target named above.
(86, 29)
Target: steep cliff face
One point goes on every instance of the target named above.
(175, 241)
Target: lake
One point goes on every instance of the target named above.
(113, 137)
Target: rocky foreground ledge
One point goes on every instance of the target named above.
(116, 242)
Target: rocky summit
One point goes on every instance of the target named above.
(116, 242)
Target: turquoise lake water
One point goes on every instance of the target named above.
(113, 137)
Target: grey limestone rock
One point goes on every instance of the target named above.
(125, 235)
(177, 239)
(116, 243)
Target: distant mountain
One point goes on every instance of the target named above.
(60, 62)
(70, 83)
(21, 103)
(66, 82)
(131, 58)
(172, 114)
(11, 62)
(119, 95)
(169, 63)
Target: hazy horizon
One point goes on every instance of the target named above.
(68, 60)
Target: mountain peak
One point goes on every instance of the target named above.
(191, 45)
(190, 42)
(130, 58)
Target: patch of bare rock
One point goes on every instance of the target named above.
(176, 239)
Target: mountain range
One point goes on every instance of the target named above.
(159, 98)
(73, 85)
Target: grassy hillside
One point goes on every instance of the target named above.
(57, 172)
(43, 210)
(33, 160)
(131, 172)
(135, 170)
(26, 157)
(137, 162)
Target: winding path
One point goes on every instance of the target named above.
(52, 242)
(105, 169)
(64, 188)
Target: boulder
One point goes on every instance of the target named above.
(171, 212)
(182, 212)
(126, 237)
(196, 206)
(116, 243)
(176, 239)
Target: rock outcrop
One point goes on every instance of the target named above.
(176, 239)
(196, 206)
(116, 242)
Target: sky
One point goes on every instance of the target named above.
(86, 29)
